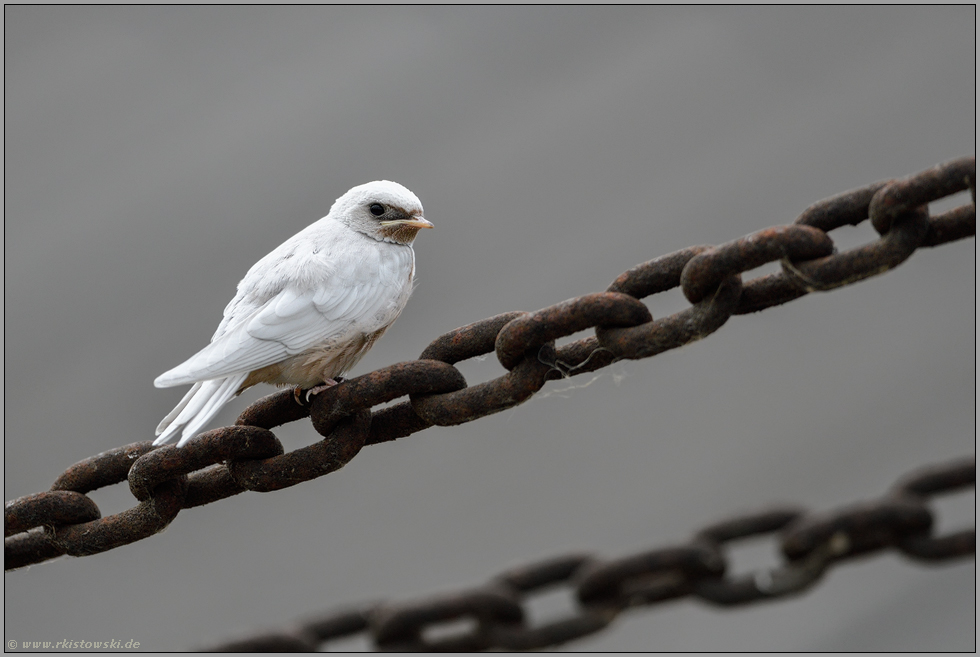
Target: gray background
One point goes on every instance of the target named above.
(153, 155)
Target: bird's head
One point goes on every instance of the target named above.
(383, 210)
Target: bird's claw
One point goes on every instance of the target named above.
(303, 398)
(316, 390)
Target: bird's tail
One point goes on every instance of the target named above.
(201, 403)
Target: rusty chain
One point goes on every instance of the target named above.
(602, 589)
(248, 456)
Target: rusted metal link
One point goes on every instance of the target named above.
(705, 271)
(395, 421)
(211, 447)
(56, 539)
(306, 635)
(402, 627)
(105, 469)
(468, 404)
(100, 534)
(341, 622)
(834, 270)
(525, 335)
(849, 207)
(273, 410)
(480, 338)
(943, 478)
(650, 576)
(929, 548)
(782, 580)
(553, 633)
(417, 377)
(469, 341)
(899, 212)
(659, 275)
(899, 197)
(892, 249)
(580, 357)
(305, 463)
(210, 485)
(542, 574)
(673, 331)
(57, 507)
(547, 574)
(147, 518)
(956, 224)
(867, 527)
(282, 641)
(767, 291)
(744, 526)
(29, 548)
(939, 480)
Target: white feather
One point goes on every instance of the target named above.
(200, 405)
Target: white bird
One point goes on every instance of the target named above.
(308, 311)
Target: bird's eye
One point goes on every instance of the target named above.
(377, 209)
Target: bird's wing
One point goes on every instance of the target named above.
(289, 323)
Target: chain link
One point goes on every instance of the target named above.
(248, 456)
(602, 589)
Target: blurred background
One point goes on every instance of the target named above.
(154, 154)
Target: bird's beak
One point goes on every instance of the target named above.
(414, 222)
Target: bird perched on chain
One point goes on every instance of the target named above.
(309, 311)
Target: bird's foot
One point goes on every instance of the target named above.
(316, 390)
(303, 397)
